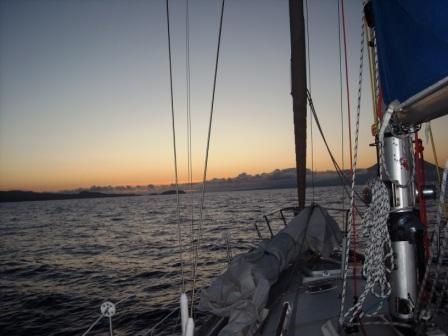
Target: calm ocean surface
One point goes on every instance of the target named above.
(59, 260)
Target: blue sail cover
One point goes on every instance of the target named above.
(412, 42)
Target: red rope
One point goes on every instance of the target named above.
(420, 181)
(350, 142)
(379, 105)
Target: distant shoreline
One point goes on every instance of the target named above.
(30, 196)
(277, 179)
(12, 196)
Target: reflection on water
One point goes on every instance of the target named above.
(61, 259)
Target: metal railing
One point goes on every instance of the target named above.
(287, 213)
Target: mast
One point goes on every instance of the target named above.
(298, 92)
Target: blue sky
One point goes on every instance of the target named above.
(84, 91)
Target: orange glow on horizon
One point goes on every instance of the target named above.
(58, 181)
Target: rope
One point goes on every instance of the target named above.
(420, 181)
(351, 224)
(133, 295)
(151, 331)
(93, 324)
(341, 175)
(124, 299)
(111, 332)
(174, 149)
(204, 178)
(378, 94)
(378, 254)
(352, 216)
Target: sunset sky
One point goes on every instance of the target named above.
(84, 90)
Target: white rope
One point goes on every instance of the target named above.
(110, 326)
(107, 309)
(93, 324)
(151, 331)
(378, 253)
(352, 195)
(133, 295)
(377, 71)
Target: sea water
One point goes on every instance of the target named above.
(60, 260)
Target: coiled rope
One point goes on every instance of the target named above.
(378, 254)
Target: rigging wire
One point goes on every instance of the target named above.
(434, 152)
(124, 299)
(346, 84)
(179, 232)
(341, 90)
(308, 77)
(352, 219)
(352, 226)
(342, 177)
(93, 324)
(189, 133)
(371, 71)
(204, 178)
(111, 332)
(151, 331)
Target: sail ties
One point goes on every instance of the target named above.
(378, 253)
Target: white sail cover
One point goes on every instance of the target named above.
(242, 291)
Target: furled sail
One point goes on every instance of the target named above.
(242, 291)
(412, 47)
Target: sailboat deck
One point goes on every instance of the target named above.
(305, 302)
